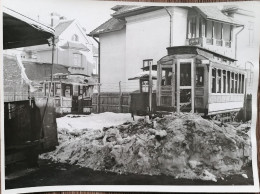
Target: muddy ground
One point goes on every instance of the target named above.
(53, 174)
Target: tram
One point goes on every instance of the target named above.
(72, 93)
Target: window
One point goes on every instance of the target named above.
(193, 27)
(67, 91)
(239, 83)
(185, 74)
(243, 79)
(75, 38)
(236, 83)
(232, 83)
(209, 29)
(224, 81)
(199, 76)
(213, 82)
(166, 76)
(58, 89)
(228, 82)
(147, 62)
(77, 59)
(219, 83)
(217, 30)
(226, 32)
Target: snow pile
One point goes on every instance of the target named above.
(181, 145)
(93, 121)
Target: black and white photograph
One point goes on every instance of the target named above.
(129, 96)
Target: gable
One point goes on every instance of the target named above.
(72, 29)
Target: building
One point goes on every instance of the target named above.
(73, 48)
(136, 36)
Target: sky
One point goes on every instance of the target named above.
(90, 14)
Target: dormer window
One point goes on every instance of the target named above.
(75, 38)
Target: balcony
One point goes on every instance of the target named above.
(216, 45)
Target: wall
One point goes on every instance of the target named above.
(112, 53)
(14, 85)
(148, 36)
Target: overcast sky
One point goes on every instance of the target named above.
(90, 14)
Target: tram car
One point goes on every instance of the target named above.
(72, 93)
(195, 79)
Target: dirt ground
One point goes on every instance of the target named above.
(53, 174)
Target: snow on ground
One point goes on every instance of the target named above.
(93, 121)
(180, 145)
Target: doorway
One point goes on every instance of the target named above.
(185, 85)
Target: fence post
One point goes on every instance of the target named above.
(120, 97)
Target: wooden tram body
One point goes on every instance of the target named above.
(194, 79)
(71, 93)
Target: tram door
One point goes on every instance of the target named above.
(185, 91)
(167, 85)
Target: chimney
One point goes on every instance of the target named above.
(55, 19)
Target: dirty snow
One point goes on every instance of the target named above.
(180, 145)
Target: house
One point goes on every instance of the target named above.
(73, 48)
(137, 36)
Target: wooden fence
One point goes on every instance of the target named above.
(111, 102)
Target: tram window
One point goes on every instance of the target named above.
(219, 81)
(236, 83)
(67, 91)
(185, 74)
(232, 83)
(80, 89)
(58, 89)
(213, 84)
(228, 82)
(199, 76)
(75, 90)
(239, 83)
(46, 89)
(166, 77)
(224, 81)
(243, 80)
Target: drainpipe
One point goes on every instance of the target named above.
(171, 16)
(236, 40)
(98, 73)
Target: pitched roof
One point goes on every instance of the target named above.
(130, 10)
(62, 26)
(214, 13)
(41, 71)
(111, 25)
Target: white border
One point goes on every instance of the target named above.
(134, 188)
